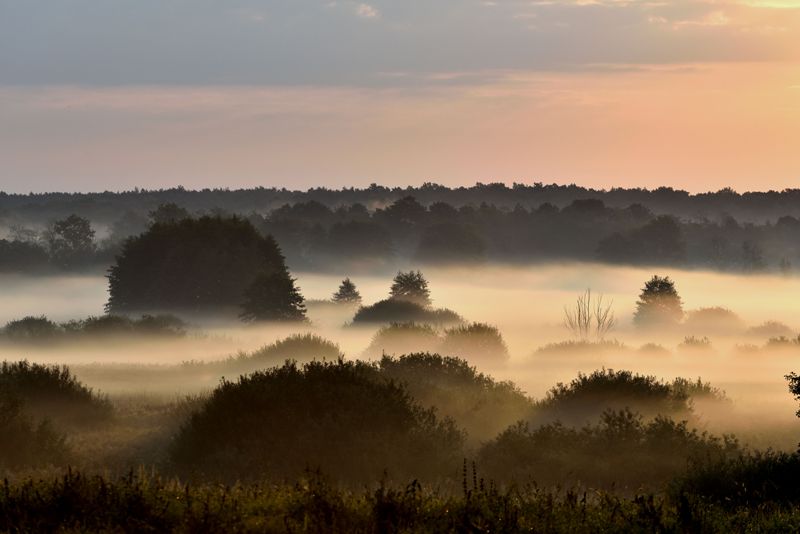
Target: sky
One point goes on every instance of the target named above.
(116, 94)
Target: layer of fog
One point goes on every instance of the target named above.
(526, 304)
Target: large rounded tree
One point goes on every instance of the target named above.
(201, 265)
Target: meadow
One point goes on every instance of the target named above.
(534, 429)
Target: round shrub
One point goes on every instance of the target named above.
(476, 402)
(711, 321)
(334, 416)
(586, 397)
(475, 342)
(404, 311)
(51, 391)
(31, 329)
(298, 347)
(401, 338)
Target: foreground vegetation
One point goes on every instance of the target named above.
(418, 442)
(75, 502)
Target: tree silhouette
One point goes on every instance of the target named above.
(71, 241)
(205, 264)
(658, 304)
(411, 286)
(273, 297)
(347, 293)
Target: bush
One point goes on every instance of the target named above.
(475, 342)
(695, 344)
(770, 329)
(621, 451)
(298, 347)
(477, 403)
(404, 311)
(714, 320)
(24, 443)
(330, 415)
(52, 391)
(744, 480)
(588, 396)
(31, 329)
(402, 338)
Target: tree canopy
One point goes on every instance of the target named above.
(658, 304)
(204, 264)
(411, 286)
(347, 293)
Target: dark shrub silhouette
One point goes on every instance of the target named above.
(401, 338)
(403, 311)
(298, 347)
(41, 329)
(621, 451)
(478, 404)
(659, 304)
(411, 287)
(51, 391)
(347, 293)
(586, 397)
(476, 342)
(31, 329)
(334, 416)
(200, 265)
(744, 480)
(23, 442)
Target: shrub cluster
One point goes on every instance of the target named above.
(42, 329)
(621, 451)
(586, 397)
(394, 310)
(332, 415)
(476, 402)
(52, 391)
(477, 342)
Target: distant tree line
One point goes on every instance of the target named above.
(479, 224)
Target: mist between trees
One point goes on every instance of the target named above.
(375, 228)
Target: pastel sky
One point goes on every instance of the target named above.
(113, 94)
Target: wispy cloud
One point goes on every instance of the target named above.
(366, 11)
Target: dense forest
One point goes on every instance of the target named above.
(376, 227)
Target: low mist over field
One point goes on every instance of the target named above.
(526, 304)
